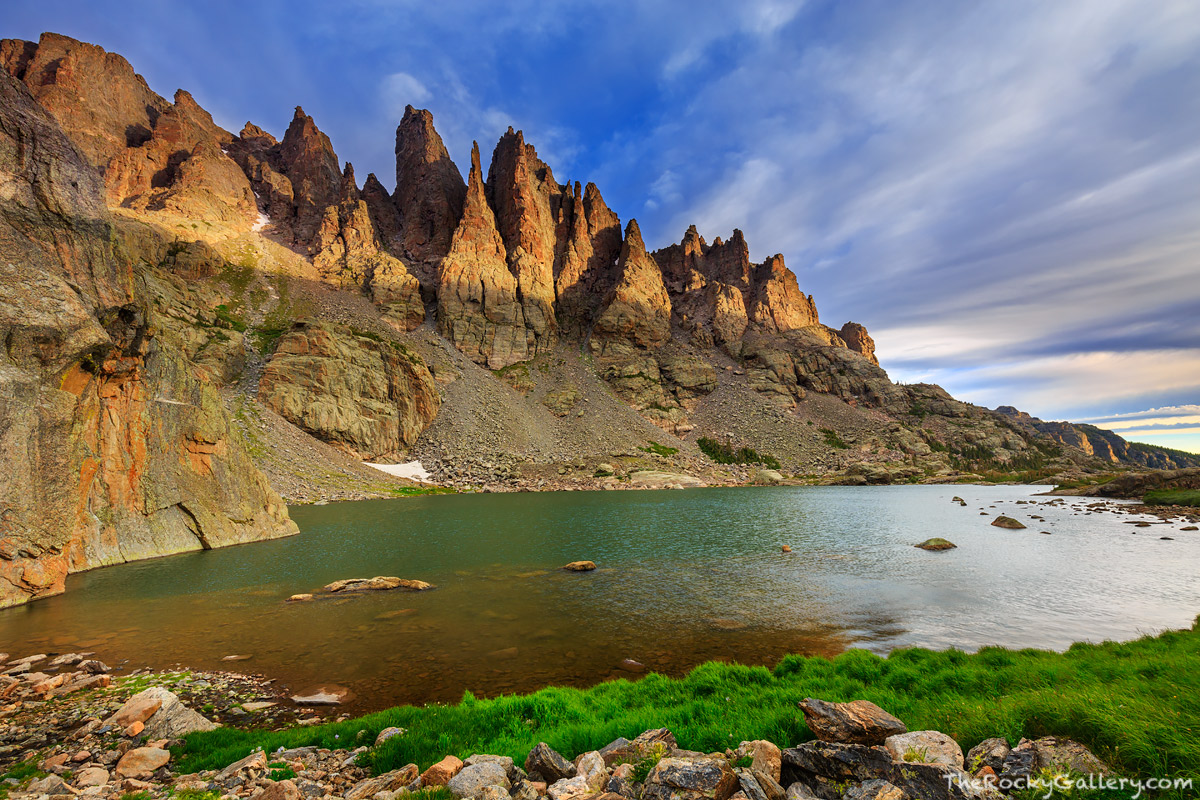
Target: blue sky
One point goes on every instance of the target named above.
(1007, 194)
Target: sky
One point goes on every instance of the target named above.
(1006, 193)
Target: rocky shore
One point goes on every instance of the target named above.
(79, 733)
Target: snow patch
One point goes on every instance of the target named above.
(263, 220)
(411, 470)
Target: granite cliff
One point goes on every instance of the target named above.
(117, 446)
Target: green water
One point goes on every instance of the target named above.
(684, 577)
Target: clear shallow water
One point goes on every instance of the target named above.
(685, 577)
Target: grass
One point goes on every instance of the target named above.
(832, 439)
(725, 453)
(419, 491)
(1173, 497)
(659, 449)
(1135, 704)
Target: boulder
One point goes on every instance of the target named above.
(91, 776)
(591, 768)
(471, 781)
(138, 708)
(256, 760)
(690, 779)
(988, 753)
(857, 722)
(935, 544)
(621, 782)
(874, 790)
(925, 747)
(798, 791)
(821, 765)
(439, 774)
(657, 741)
(172, 720)
(764, 757)
(387, 782)
(1007, 522)
(278, 790)
(580, 566)
(1059, 754)
(652, 479)
(768, 477)
(388, 733)
(568, 788)
(49, 785)
(142, 761)
(543, 761)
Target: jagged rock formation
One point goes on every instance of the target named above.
(116, 447)
(478, 308)
(355, 391)
(429, 189)
(637, 313)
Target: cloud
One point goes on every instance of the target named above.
(401, 89)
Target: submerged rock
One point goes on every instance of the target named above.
(580, 566)
(936, 544)
(377, 584)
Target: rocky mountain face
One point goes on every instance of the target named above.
(159, 268)
(1102, 444)
(117, 446)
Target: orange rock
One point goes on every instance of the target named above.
(440, 773)
(134, 728)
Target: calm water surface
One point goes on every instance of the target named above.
(684, 577)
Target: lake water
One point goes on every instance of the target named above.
(684, 577)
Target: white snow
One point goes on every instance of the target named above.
(411, 470)
(263, 220)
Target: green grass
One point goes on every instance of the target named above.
(1173, 497)
(659, 449)
(725, 453)
(226, 318)
(832, 439)
(23, 772)
(1137, 705)
(419, 491)
(197, 794)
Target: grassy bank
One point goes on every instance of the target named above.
(1137, 705)
(1173, 497)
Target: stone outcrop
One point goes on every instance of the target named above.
(429, 190)
(366, 395)
(154, 155)
(117, 447)
(348, 251)
(95, 96)
(519, 188)
(637, 313)
(589, 244)
(478, 307)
